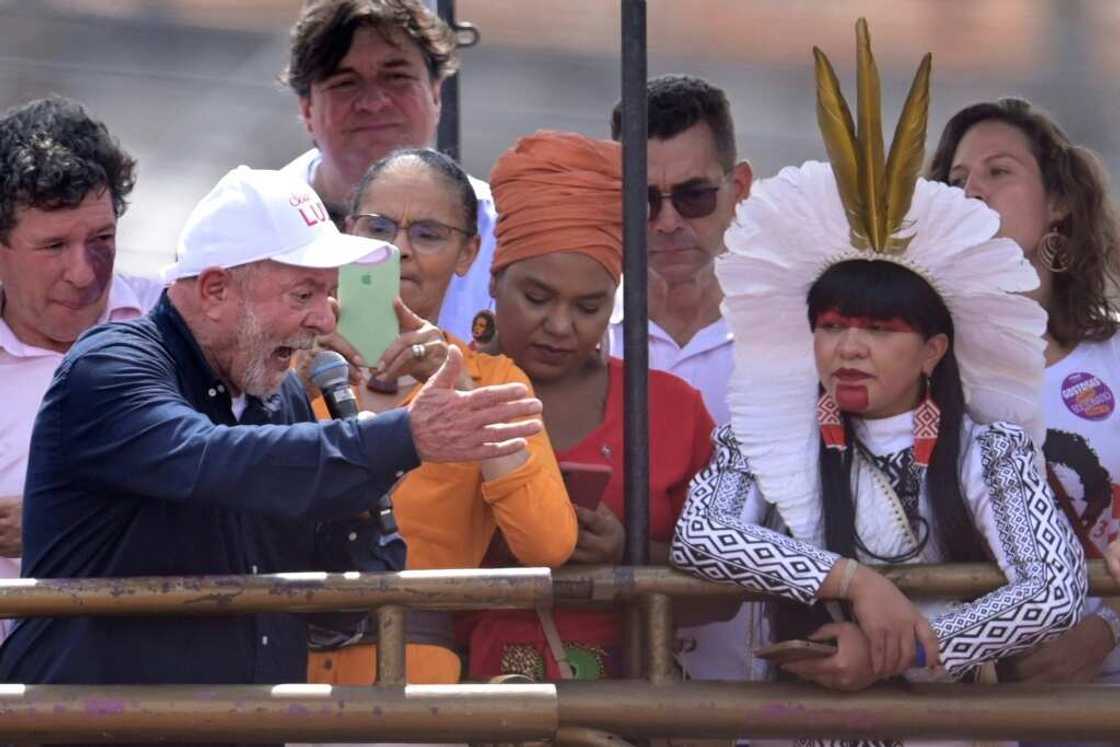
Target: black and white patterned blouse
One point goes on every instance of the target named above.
(719, 537)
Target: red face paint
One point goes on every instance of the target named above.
(852, 397)
(833, 318)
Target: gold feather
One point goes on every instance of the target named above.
(907, 150)
(873, 196)
(839, 134)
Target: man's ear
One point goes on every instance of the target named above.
(215, 290)
(437, 97)
(305, 114)
(742, 176)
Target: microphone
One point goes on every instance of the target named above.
(331, 374)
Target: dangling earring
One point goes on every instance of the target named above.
(927, 422)
(832, 427)
(1053, 251)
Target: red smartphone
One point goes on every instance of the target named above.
(795, 650)
(585, 483)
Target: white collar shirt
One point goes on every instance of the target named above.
(705, 361)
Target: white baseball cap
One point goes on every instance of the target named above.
(253, 215)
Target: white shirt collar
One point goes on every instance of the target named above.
(886, 435)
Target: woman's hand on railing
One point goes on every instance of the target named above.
(892, 624)
(848, 669)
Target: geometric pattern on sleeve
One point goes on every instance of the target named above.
(715, 539)
(1044, 564)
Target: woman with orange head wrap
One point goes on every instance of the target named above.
(556, 268)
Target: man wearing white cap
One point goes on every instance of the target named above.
(180, 443)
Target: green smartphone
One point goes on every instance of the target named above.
(366, 290)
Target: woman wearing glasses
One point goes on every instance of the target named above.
(556, 267)
(422, 201)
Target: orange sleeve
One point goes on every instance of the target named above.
(530, 504)
(319, 407)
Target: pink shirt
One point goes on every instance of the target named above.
(26, 373)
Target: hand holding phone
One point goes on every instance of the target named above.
(366, 291)
(585, 483)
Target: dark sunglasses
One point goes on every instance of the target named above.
(690, 200)
(423, 235)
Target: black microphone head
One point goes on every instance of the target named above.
(329, 370)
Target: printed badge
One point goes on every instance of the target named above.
(1087, 396)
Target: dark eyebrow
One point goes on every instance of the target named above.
(340, 71)
(56, 239)
(396, 62)
(534, 280)
(1004, 154)
(694, 183)
(542, 285)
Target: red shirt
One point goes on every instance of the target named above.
(680, 445)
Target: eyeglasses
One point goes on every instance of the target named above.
(424, 236)
(689, 200)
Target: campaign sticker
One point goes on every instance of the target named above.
(1087, 396)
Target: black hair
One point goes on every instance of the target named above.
(437, 162)
(886, 290)
(52, 155)
(325, 29)
(676, 103)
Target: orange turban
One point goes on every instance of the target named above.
(559, 192)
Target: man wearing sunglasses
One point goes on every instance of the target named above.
(695, 182)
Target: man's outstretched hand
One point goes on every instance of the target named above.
(449, 425)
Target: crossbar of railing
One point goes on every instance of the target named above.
(522, 588)
(319, 713)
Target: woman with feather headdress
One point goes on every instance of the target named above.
(885, 409)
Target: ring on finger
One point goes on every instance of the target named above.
(419, 351)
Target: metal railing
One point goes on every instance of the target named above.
(569, 712)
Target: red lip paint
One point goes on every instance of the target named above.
(852, 397)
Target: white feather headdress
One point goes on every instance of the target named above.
(799, 223)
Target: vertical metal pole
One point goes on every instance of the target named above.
(391, 646)
(636, 325)
(658, 612)
(447, 136)
(635, 398)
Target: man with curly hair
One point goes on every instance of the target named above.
(368, 75)
(63, 185)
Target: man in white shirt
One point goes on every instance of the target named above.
(695, 182)
(63, 184)
(368, 75)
